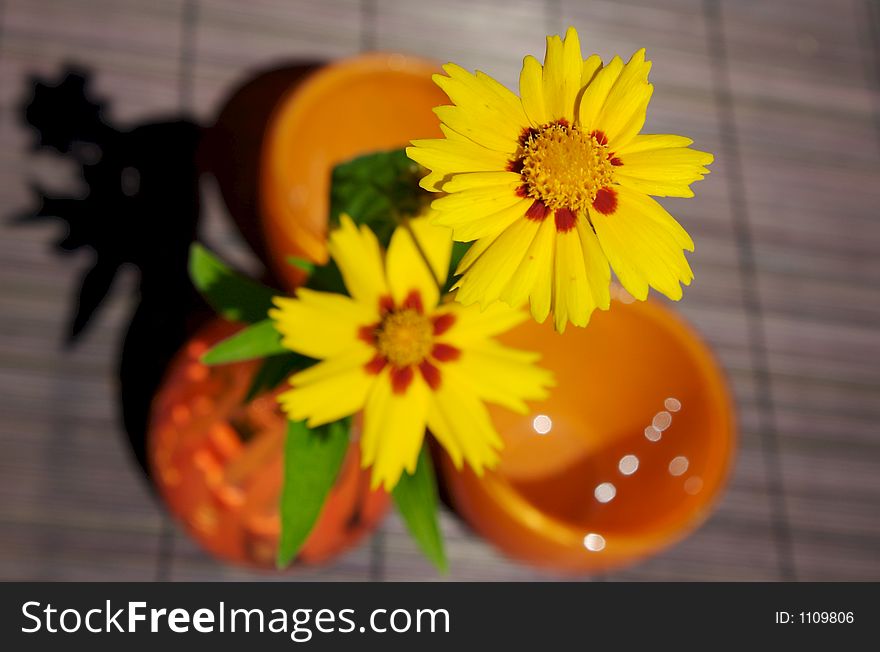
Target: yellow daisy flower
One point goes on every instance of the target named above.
(553, 186)
(408, 360)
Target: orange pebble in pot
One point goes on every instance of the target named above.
(218, 463)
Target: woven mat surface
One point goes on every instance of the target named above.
(787, 93)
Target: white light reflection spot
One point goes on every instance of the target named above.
(628, 464)
(397, 62)
(678, 465)
(542, 424)
(605, 492)
(662, 420)
(594, 542)
(672, 404)
(652, 434)
(693, 485)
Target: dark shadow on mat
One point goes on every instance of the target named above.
(142, 209)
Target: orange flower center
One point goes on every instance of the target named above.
(405, 337)
(564, 167)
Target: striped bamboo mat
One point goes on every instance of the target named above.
(788, 278)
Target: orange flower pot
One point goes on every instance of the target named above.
(356, 106)
(218, 464)
(626, 456)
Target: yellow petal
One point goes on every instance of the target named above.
(646, 142)
(573, 300)
(541, 295)
(394, 428)
(329, 390)
(477, 249)
(531, 88)
(592, 65)
(476, 212)
(481, 112)
(479, 199)
(573, 66)
(553, 79)
(470, 180)
(652, 210)
(359, 258)
(532, 277)
(473, 325)
(484, 98)
(431, 181)
(563, 66)
(662, 171)
(593, 98)
(460, 422)
(486, 278)
(621, 255)
(356, 356)
(644, 245)
(470, 225)
(512, 105)
(623, 112)
(478, 129)
(598, 271)
(445, 156)
(405, 264)
(320, 324)
(501, 375)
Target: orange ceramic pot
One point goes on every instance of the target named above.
(231, 149)
(355, 106)
(626, 456)
(218, 463)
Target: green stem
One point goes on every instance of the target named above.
(404, 221)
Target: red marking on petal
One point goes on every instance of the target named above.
(526, 134)
(600, 137)
(522, 191)
(401, 377)
(516, 165)
(376, 365)
(562, 122)
(605, 201)
(565, 220)
(386, 304)
(537, 211)
(614, 160)
(413, 301)
(445, 352)
(443, 323)
(368, 333)
(430, 373)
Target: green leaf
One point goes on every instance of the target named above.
(305, 265)
(379, 190)
(232, 295)
(274, 370)
(416, 499)
(257, 341)
(327, 278)
(312, 459)
(459, 249)
(376, 190)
